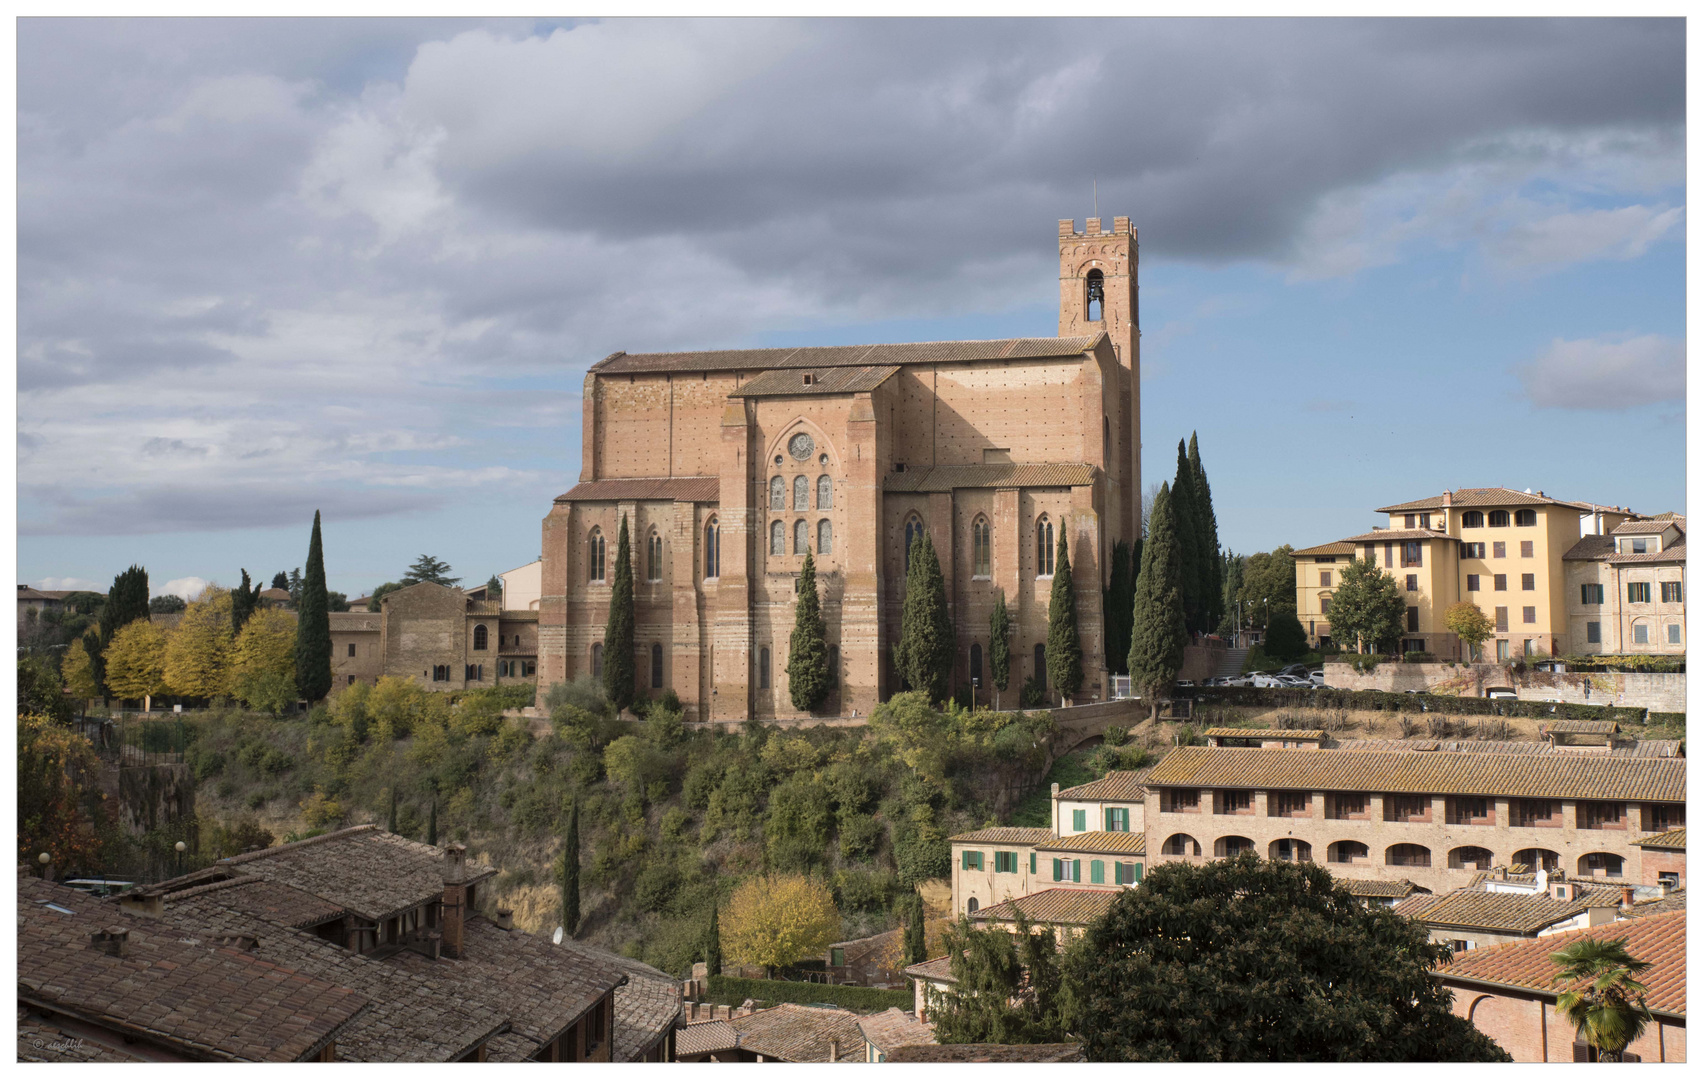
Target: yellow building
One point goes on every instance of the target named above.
(1626, 590)
(1499, 548)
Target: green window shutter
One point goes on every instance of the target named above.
(1138, 873)
(979, 864)
(1031, 862)
(1079, 820)
(1076, 869)
(964, 861)
(1097, 872)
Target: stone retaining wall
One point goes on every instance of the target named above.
(1657, 691)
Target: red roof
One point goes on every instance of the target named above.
(1660, 940)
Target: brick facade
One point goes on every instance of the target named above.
(866, 444)
(436, 636)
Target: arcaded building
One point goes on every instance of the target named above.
(729, 465)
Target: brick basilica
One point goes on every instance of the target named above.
(728, 465)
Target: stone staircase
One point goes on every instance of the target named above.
(1231, 665)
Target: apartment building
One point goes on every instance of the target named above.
(1499, 548)
(1434, 817)
(1096, 843)
(1626, 589)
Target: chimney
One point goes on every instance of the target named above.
(1448, 497)
(1055, 790)
(1501, 873)
(113, 941)
(505, 918)
(834, 1044)
(1599, 915)
(454, 899)
(1559, 890)
(1626, 896)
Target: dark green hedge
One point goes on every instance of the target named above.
(727, 990)
(1652, 664)
(1667, 719)
(1257, 697)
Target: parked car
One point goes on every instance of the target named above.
(1317, 678)
(1266, 680)
(1295, 681)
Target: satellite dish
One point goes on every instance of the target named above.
(557, 937)
(1543, 879)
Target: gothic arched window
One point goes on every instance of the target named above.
(594, 555)
(981, 547)
(1044, 552)
(777, 493)
(800, 537)
(480, 638)
(1096, 296)
(913, 533)
(653, 554)
(1498, 519)
(777, 539)
(597, 660)
(801, 492)
(712, 548)
(824, 537)
(824, 493)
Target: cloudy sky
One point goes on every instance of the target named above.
(268, 266)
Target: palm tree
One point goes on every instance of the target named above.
(1608, 1011)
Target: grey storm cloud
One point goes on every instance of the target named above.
(254, 237)
(205, 508)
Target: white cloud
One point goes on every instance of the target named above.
(1605, 373)
(187, 587)
(1573, 237)
(57, 584)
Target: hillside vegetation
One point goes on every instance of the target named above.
(671, 819)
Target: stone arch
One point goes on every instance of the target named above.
(1288, 849)
(1407, 855)
(481, 638)
(1537, 858)
(1470, 857)
(596, 555)
(824, 445)
(1181, 844)
(1228, 846)
(1602, 864)
(1347, 851)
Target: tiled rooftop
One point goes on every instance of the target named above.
(894, 1028)
(693, 489)
(923, 352)
(1301, 734)
(1119, 785)
(1550, 776)
(1471, 497)
(1598, 548)
(1117, 843)
(1513, 913)
(1527, 965)
(937, 970)
(1582, 727)
(269, 900)
(1379, 535)
(1673, 840)
(1381, 889)
(371, 873)
(39, 1040)
(1335, 547)
(1660, 905)
(988, 1053)
(942, 478)
(1062, 907)
(645, 1008)
(789, 382)
(1004, 834)
(706, 1037)
(800, 1033)
(193, 993)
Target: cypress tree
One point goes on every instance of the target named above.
(712, 943)
(391, 826)
(313, 624)
(618, 631)
(127, 602)
(1064, 644)
(1118, 607)
(1206, 523)
(926, 639)
(1183, 520)
(1159, 633)
(244, 600)
(97, 659)
(916, 931)
(999, 647)
(570, 872)
(432, 824)
(807, 660)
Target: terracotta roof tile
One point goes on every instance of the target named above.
(1581, 727)
(1549, 776)
(926, 352)
(510, 1047)
(1516, 913)
(941, 478)
(269, 900)
(39, 1040)
(705, 1037)
(1004, 834)
(1360, 887)
(1314, 734)
(894, 1028)
(1648, 526)
(1527, 964)
(646, 1008)
(1673, 840)
(1590, 548)
(192, 993)
(1118, 785)
(937, 970)
(1398, 534)
(800, 1033)
(789, 382)
(1470, 497)
(1055, 907)
(1660, 905)
(1118, 843)
(988, 1053)
(693, 489)
(1335, 547)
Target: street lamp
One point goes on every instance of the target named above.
(181, 848)
(44, 858)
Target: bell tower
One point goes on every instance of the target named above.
(1098, 291)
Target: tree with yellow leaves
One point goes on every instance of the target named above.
(776, 921)
(198, 649)
(263, 661)
(79, 672)
(135, 661)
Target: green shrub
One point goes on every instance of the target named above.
(655, 885)
(674, 822)
(205, 763)
(1667, 719)
(275, 761)
(727, 990)
(1031, 696)
(856, 890)
(860, 836)
(1417, 657)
